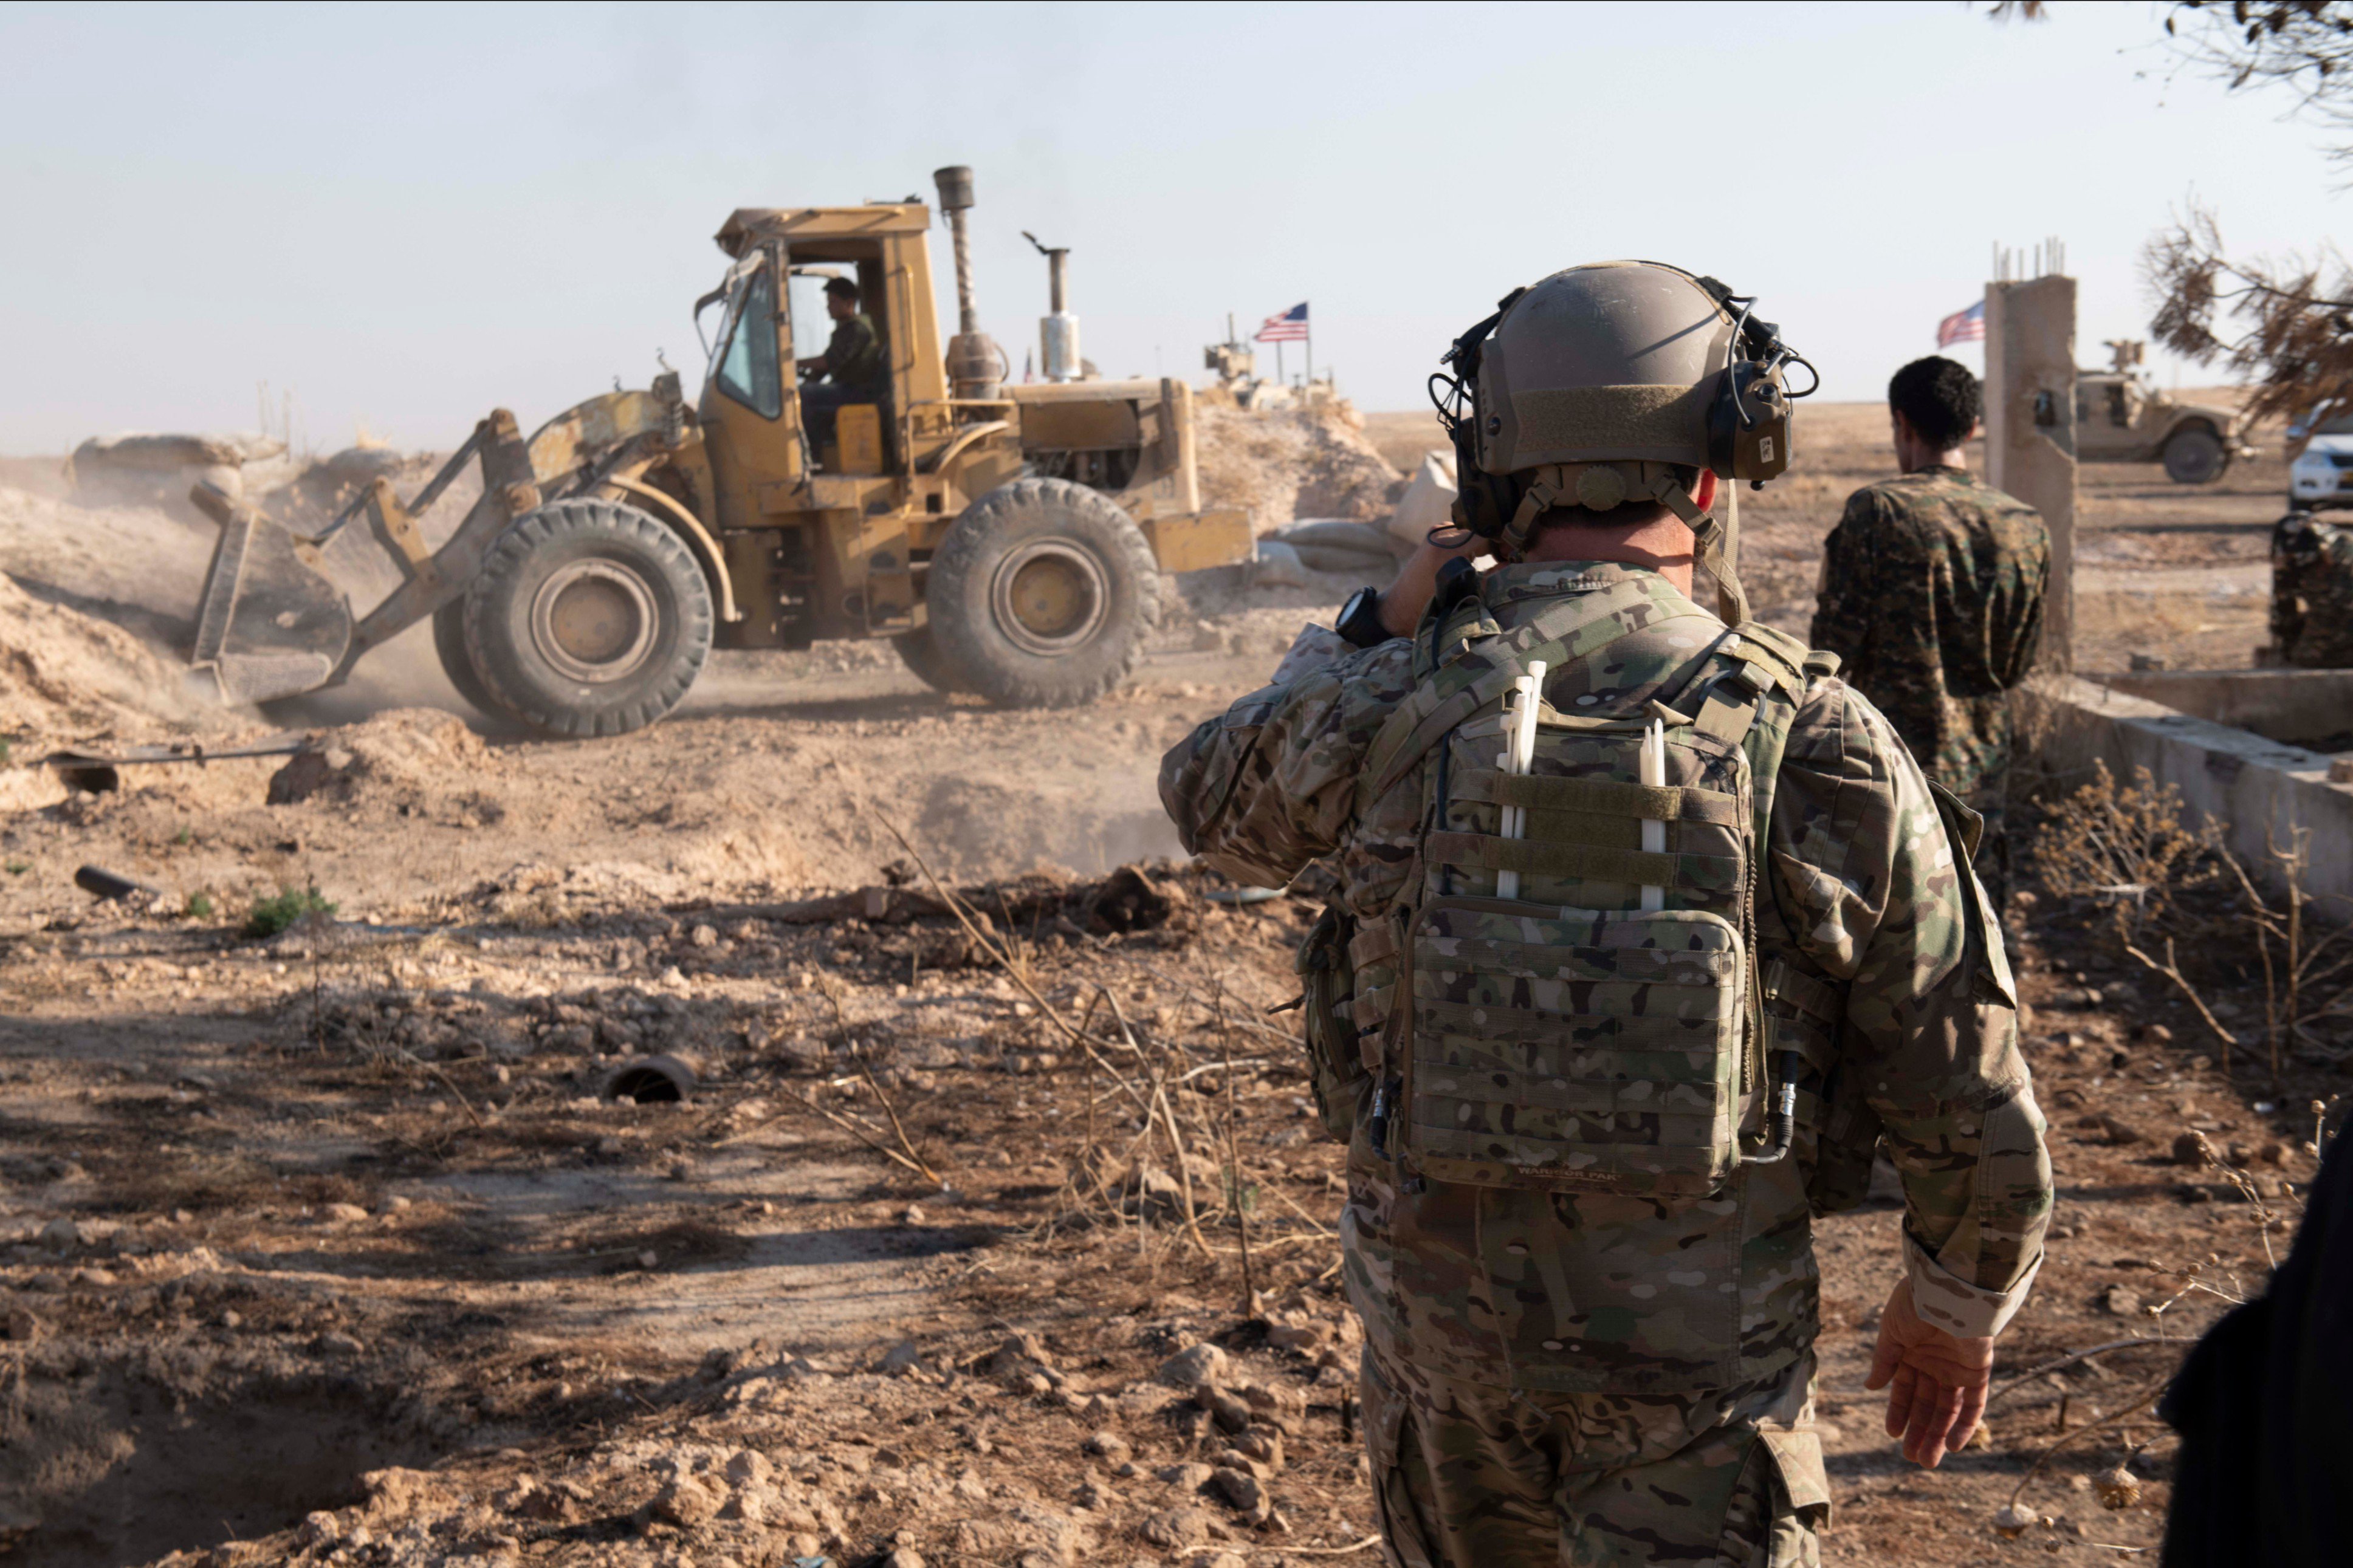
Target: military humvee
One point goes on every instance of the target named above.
(2121, 418)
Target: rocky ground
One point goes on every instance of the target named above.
(337, 1244)
(991, 1230)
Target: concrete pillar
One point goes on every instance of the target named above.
(2030, 414)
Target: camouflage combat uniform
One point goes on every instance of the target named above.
(2312, 592)
(853, 356)
(1599, 1378)
(1932, 596)
(851, 371)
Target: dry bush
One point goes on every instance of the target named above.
(2125, 849)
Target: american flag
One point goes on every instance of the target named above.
(1962, 326)
(1290, 327)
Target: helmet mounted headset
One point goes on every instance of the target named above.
(1607, 383)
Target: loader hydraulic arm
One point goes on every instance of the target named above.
(296, 633)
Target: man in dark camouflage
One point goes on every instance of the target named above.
(851, 370)
(1590, 1377)
(2312, 592)
(1932, 595)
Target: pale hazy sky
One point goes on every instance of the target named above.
(410, 215)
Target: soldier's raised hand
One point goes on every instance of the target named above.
(1936, 1381)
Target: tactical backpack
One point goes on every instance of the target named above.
(1604, 1028)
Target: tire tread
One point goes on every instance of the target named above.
(514, 547)
(972, 536)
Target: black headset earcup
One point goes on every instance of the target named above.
(1722, 426)
(1748, 425)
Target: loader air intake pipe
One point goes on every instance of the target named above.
(976, 364)
(955, 184)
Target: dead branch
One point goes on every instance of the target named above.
(2062, 1362)
(1202, 1002)
(1003, 959)
(1234, 1158)
(2288, 337)
(871, 1139)
(404, 1054)
(2097, 1424)
(1367, 1544)
(891, 1113)
(2172, 971)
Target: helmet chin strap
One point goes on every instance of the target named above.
(1707, 533)
(1549, 491)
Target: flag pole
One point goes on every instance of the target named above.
(1309, 324)
(1278, 363)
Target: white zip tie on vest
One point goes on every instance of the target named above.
(1653, 767)
(1516, 759)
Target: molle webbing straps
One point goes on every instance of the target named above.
(1424, 719)
(1593, 862)
(1662, 803)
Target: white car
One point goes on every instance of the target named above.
(2322, 474)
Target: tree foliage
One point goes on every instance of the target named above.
(2284, 328)
(2304, 46)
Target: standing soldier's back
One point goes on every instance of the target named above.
(1932, 596)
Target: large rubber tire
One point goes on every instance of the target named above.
(450, 644)
(921, 652)
(2194, 455)
(1042, 594)
(588, 617)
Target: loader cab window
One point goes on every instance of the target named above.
(748, 368)
(812, 327)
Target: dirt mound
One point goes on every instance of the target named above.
(406, 756)
(134, 557)
(1308, 462)
(66, 675)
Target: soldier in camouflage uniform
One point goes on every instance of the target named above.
(1597, 1375)
(2312, 592)
(1932, 594)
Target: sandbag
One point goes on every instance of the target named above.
(156, 470)
(146, 453)
(1359, 563)
(1427, 501)
(1343, 534)
(1278, 566)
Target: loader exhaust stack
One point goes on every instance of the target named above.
(1057, 333)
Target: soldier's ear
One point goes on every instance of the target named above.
(1703, 492)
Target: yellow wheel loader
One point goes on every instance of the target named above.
(1010, 539)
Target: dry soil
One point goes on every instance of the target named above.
(330, 1245)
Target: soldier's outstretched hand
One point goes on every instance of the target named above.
(1936, 1381)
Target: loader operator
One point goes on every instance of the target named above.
(1625, 978)
(850, 369)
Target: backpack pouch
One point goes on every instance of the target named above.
(1568, 1049)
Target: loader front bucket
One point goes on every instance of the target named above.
(270, 624)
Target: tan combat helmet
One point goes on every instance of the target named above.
(1593, 386)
